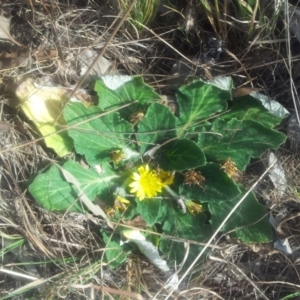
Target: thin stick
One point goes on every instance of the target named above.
(165, 42)
(293, 89)
(83, 78)
(18, 274)
(242, 273)
(170, 237)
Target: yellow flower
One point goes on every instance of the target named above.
(121, 203)
(145, 183)
(165, 177)
(194, 208)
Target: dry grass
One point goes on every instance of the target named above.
(60, 255)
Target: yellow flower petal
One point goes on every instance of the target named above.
(133, 190)
(135, 176)
(146, 183)
(134, 184)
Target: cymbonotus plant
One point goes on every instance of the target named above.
(177, 170)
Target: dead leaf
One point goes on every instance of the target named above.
(243, 91)
(5, 30)
(263, 248)
(42, 105)
(85, 98)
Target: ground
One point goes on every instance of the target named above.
(53, 255)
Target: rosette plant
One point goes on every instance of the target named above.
(177, 170)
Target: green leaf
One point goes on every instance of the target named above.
(149, 209)
(53, 192)
(115, 254)
(251, 217)
(180, 155)
(198, 101)
(157, 126)
(186, 227)
(98, 137)
(249, 108)
(133, 90)
(217, 187)
(240, 140)
(91, 182)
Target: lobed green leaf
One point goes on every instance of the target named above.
(199, 101)
(188, 228)
(53, 192)
(115, 254)
(132, 90)
(216, 188)
(249, 222)
(98, 137)
(157, 126)
(149, 209)
(249, 108)
(238, 139)
(180, 155)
